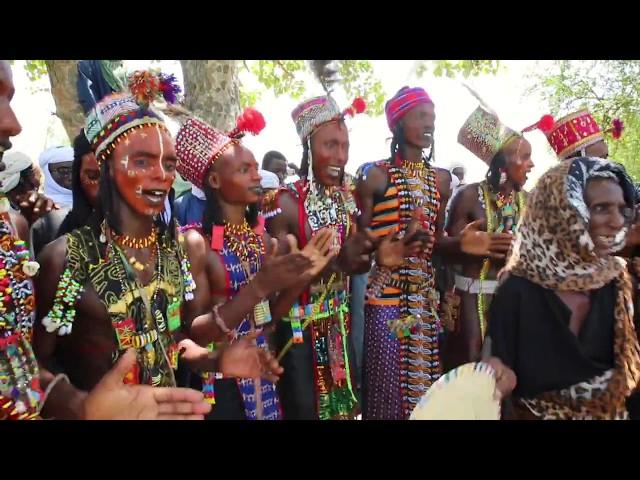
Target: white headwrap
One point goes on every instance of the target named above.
(269, 179)
(15, 162)
(62, 196)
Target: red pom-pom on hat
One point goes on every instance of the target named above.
(545, 124)
(618, 127)
(250, 121)
(357, 106)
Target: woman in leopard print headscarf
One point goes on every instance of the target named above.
(563, 317)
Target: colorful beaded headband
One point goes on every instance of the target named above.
(116, 114)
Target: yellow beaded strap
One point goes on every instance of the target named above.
(486, 264)
(314, 313)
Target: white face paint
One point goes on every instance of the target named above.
(125, 161)
(164, 173)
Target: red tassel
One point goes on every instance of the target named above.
(618, 127)
(250, 121)
(545, 124)
(359, 105)
(259, 228)
(217, 238)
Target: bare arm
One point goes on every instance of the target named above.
(210, 277)
(460, 214)
(367, 187)
(52, 261)
(445, 245)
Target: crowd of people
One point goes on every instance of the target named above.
(244, 296)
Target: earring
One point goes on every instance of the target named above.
(103, 232)
(503, 177)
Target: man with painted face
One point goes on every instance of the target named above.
(496, 203)
(120, 281)
(230, 259)
(314, 338)
(561, 318)
(85, 179)
(26, 387)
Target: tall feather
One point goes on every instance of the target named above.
(479, 98)
(325, 72)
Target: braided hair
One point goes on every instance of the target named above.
(304, 163)
(399, 143)
(82, 208)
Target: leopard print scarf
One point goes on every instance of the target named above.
(553, 248)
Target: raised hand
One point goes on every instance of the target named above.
(35, 206)
(111, 399)
(474, 241)
(320, 251)
(392, 251)
(281, 271)
(244, 359)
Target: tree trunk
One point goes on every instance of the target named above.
(212, 91)
(63, 75)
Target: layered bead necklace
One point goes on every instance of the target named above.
(502, 220)
(150, 240)
(20, 392)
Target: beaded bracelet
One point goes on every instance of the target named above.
(219, 320)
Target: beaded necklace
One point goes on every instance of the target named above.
(242, 254)
(417, 192)
(132, 242)
(145, 334)
(20, 392)
(504, 219)
(418, 326)
(329, 207)
(82, 259)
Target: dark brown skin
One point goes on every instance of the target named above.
(235, 178)
(329, 148)
(465, 209)
(111, 399)
(87, 352)
(90, 177)
(279, 167)
(26, 186)
(608, 215)
(61, 174)
(418, 126)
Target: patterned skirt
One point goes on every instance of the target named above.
(397, 373)
(381, 394)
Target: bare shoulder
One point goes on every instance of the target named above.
(52, 260)
(443, 174)
(287, 201)
(468, 191)
(373, 173)
(196, 244)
